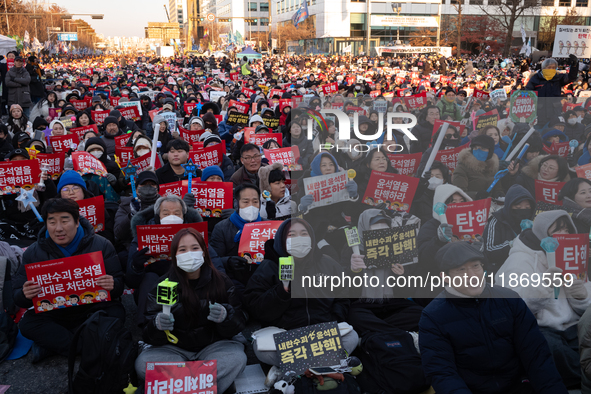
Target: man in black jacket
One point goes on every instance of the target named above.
(173, 171)
(65, 234)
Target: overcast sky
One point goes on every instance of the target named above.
(121, 17)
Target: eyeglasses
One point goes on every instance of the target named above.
(73, 189)
(251, 158)
(549, 167)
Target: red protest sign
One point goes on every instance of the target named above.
(80, 105)
(68, 282)
(89, 71)
(330, 88)
(63, 143)
(417, 101)
(406, 164)
(548, 191)
(190, 136)
(158, 237)
(261, 138)
(130, 113)
(143, 162)
(248, 92)
(124, 154)
(439, 123)
(114, 100)
(449, 157)
(85, 163)
(396, 190)
(241, 107)
(569, 106)
(93, 209)
(20, 173)
(80, 131)
(584, 171)
(210, 197)
(153, 113)
(210, 156)
(468, 218)
(571, 254)
(188, 107)
(122, 140)
(186, 377)
(560, 149)
(374, 93)
(287, 156)
(283, 103)
(276, 92)
(99, 116)
(54, 163)
(165, 89)
(54, 113)
(253, 238)
(479, 94)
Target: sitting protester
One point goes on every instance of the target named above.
(278, 205)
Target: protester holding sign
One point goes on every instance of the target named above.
(477, 167)
(576, 197)
(204, 320)
(276, 201)
(550, 168)
(65, 234)
(178, 154)
(557, 317)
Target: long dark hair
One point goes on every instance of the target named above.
(562, 166)
(215, 290)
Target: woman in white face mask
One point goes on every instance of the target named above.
(422, 204)
(205, 317)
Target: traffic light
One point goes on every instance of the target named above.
(201, 19)
(225, 19)
(251, 20)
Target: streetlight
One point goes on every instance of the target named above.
(397, 8)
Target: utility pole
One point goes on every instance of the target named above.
(438, 23)
(368, 26)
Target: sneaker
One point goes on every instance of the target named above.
(39, 353)
(272, 376)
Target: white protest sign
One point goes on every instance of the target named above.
(170, 119)
(136, 104)
(572, 40)
(327, 189)
(215, 96)
(498, 94)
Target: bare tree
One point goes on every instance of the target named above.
(507, 12)
(288, 32)
(422, 37)
(458, 5)
(548, 27)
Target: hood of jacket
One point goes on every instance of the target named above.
(515, 195)
(545, 219)
(281, 236)
(533, 167)
(264, 175)
(486, 168)
(552, 133)
(445, 191)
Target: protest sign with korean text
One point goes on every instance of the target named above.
(190, 136)
(80, 131)
(416, 102)
(396, 190)
(572, 254)
(386, 247)
(130, 113)
(253, 238)
(121, 140)
(584, 171)
(210, 197)
(548, 191)
(240, 107)
(449, 157)
(186, 377)
(143, 163)
(327, 189)
(68, 282)
(237, 118)
(523, 106)
(93, 209)
(157, 237)
(439, 123)
(123, 154)
(63, 143)
(210, 156)
(19, 173)
(287, 156)
(99, 116)
(468, 218)
(85, 163)
(406, 164)
(54, 163)
(318, 345)
(488, 119)
(330, 88)
(479, 94)
(271, 123)
(560, 149)
(260, 138)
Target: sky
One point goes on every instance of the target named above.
(124, 18)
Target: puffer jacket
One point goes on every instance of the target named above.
(194, 335)
(17, 80)
(584, 334)
(527, 177)
(485, 345)
(472, 175)
(527, 257)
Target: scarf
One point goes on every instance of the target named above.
(73, 246)
(547, 180)
(239, 222)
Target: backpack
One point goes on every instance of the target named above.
(391, 364)
(108, 355)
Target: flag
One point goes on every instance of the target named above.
(26, 37)
(239, 39)
(301, 14)
(528, 48)
(36, 45)
(210, 48)
(347, 49)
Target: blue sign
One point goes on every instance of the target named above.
(67, 36)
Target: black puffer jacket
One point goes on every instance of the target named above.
(196, 335)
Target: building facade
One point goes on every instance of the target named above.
(162, 31)
(175, 12)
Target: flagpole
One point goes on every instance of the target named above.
(368, 26)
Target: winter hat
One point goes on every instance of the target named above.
(15, 106)
(544, 220)
(53, 122)
(209, 121)
(484, 141)
(210, 171)
(95, 143)
(147, 176)
(196, 119)
(210, 139)
(70, 177)
(264, 172)
(261, 129)
(39, 121)
(444, 192)
(205, 136)
(455, 254)
(110, 119)
(254, 118)
(159, 119)
(142, 141)
(168, 107)
(17, 152)
(115, 113)
(211, 105)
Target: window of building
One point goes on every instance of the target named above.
(252, 23)
(494, 2)
(547, 3)
(264, 21)
(564, 3)
(582, 3)
(264, 7)
(476, 2)
(252, 6)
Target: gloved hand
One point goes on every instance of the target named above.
(164, 321)
(217, 313)
(135, 206)
(351, 187)
(237, 264)
(573, 60)
(577, 291)
(270, 207)
(139, 259)
(189, 200)
(305, 202)
(112, 179)
(444, 232)
(357, 263)
(481, 195)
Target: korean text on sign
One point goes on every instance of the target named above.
(253, 238)
(396, 190)
(287, 156)
(327, 189)
(548, 191)
(210, 156)
(406, 164)
(391, 246)
(18, 173)
(68, 282)
(468, 218)
(572, 254)
(157, 237)
(192, 377)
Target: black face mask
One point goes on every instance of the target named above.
(521, 214)
(450, 142)
(147, 194)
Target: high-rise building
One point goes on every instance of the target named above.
(175, 11)
(163, 31)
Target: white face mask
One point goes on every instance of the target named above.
(572, 121)
(171, 219)
(190, 261)
(142, 152)
(434, 182)
(96, 153)
(299, 247)
(579, 119)
(249, 213)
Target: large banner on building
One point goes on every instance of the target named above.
(445, 51)
(407, 21)
(572, 40)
